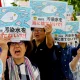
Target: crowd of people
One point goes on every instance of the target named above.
(40, 58)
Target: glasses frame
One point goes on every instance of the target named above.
(14, 43)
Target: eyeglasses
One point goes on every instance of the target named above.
(14, 43)
(39, 30)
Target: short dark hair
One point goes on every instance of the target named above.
(28, 50)
(32, 29)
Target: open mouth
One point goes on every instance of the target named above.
(17, 52)
(37, 35)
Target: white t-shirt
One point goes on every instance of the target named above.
(76, 73)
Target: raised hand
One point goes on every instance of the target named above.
(48, 28)
(4, 48)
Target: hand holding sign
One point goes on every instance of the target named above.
(3, 53)
(48, 29)
(3, 44)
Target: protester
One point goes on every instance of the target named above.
(17, 66)
(75, 63)
(63, 57)
(75, 66)
(42, 51)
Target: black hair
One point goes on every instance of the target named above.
(28, 50)
(32, 29)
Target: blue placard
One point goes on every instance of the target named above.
(70, 9)
(72, 27)
(15, 22)
(49, 8)
(49, 12)
(14, 16)
(68, 33)
(69, 12)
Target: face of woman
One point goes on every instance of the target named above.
(17, 49)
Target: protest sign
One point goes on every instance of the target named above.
(69, 12)
(14, 22)
(44, 12)
(71, 29)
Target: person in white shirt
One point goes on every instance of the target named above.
(75, 66)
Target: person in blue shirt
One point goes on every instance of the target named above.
(63, 57)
